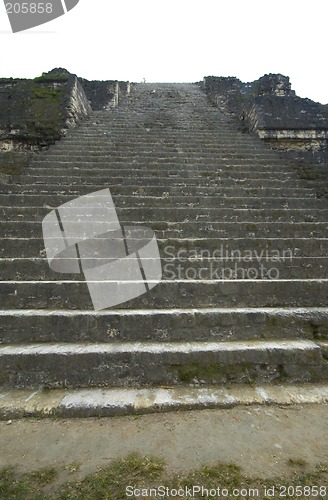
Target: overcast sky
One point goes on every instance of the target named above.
(177, 40)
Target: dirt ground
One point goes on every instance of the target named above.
(261, 439)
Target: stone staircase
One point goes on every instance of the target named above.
(244, 249)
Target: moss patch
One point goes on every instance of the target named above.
(318, 331)
(33, 112)
(13, 163)
(212, 373)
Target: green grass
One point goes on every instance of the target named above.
(47, 93)
(109, 483)
(45, 77)
(25, 486)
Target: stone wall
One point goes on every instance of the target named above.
(224, 92)
(36, 113)
(77, 106)
(270, 108)
(105, 95)
(101, 95)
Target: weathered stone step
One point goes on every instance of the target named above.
(175, 202)
(165, 117)
(175, 182)
(148, 155)
(183, 169)
(186, 163)
(29, 211)
(174, 192)
(231, 150)
(163, 325)
(149, 178)
(121, 157)
(147, 152)
(151, 186)
(107, 129)
(70, 171)
(109, 144)
(207, 182)
(24, 222)
(228, 143)
(152, 363)
(77, 169)
(169, 294)
(245, 248)
(105, 402)
(220, 135)
(285, 267)
(213, 202)
(95, 130)
(161, 165)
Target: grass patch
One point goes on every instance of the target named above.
(297, 462)
(52, 77)
(47, 92)
(43, 476)
(25, 486)
(136, 471)
(111, 482)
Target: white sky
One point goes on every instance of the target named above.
(177, 40)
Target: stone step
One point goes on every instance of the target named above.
(183, 139)
(185, 293)
(147, 153)
(176, 202)
(133, 145)
(112, 173)
(121, 157)
(51, 169)
(23, 232)
(220, 132)
(157, 187)
(246, 247)
(112, 170)
(190, 186)
(175, 196)
(227, 210)
(191, 163)
(78, 365)
(96, 128)
(285, 267)
(174, 192)
(147, 159)
(173, 182)
(109, 145)
(187, 215)
(163, 325)
(224, 129)
(83, 403)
